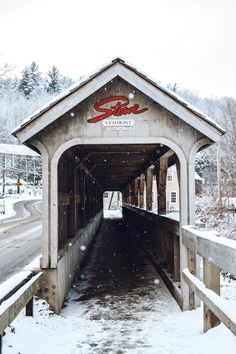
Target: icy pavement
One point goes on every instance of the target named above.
(117, 305)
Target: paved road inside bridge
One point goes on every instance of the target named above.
(122, 292)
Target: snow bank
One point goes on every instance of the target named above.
(112, 214)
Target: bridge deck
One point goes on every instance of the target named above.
(117, 305)
(122, 293)
(117, 266)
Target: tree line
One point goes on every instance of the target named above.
(21, 95)
(223, 111)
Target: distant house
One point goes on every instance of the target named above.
(172, 189)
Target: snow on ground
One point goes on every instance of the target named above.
(133, 323)
(9, 209)
(116, 325)
(221, 218)
(10, 201)
(112, 214)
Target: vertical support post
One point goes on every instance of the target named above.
(211, 278)
(184, 212)
(219, 174)
(192, 269)
(124, 196)
(29, 309)
(45, 211)
(129, 194)
(193, 259)
(149, 181)
(1, 343)
(71, 195)
(132, 194)
(176, 258)
(141, 191)
(163, 166)
(136, 183)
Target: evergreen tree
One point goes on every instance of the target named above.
(54, 80)
(31, 82)
(66, 82)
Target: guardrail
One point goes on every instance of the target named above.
(159, 238)
(17, 293)
(218, 253)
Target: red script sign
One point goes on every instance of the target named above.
(118, 110)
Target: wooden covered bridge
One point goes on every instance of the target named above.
(115, 131)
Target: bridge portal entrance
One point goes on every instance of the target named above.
(116, 131)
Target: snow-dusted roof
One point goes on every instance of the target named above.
(13, 149)
(85, 80)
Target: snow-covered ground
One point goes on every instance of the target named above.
(135, 322)
(112, 214)
(217, 217)
(11, 200)
(128, 324)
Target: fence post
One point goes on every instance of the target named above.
(211, 278)
(29, 309)
(176, 252)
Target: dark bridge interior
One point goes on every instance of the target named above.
(115, 166)
(89, 170)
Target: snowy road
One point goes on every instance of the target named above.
(20, 238)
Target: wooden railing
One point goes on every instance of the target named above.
(159, 237)
(218, 253)
(15, 294)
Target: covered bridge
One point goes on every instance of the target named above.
(114, 131)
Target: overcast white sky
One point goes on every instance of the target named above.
(190, 42)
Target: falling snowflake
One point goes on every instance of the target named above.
(131, 96)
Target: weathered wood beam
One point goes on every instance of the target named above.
(163, 166)
(211, 278)
(213, 301)
(141, 190)
(10, 308)
(149, 183)
(132, 192)
(221, 251)
(136, 183)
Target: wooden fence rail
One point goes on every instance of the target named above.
(17, 293)
(218, 253)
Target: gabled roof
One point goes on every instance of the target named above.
(118, 67)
